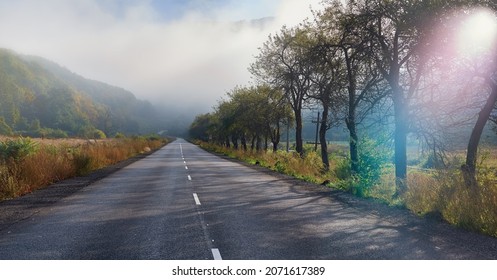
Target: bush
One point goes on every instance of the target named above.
(373, 157)
(119, 135)
(52, 133)
(17, 149)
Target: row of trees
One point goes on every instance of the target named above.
(251, 114)
(403, 62)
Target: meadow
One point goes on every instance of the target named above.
(28, 164)
(437, 192)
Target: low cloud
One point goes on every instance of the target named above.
(189, 59)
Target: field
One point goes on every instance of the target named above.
(28, 164)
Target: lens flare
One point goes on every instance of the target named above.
(478, 34)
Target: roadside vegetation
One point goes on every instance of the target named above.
(28, 164)
(392, 74)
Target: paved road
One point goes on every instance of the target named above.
(184, 203)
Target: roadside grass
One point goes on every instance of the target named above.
(290, 163)
(54, 160)
(439, 193)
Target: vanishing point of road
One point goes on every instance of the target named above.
(184, 203)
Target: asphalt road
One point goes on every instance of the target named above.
(184, 203)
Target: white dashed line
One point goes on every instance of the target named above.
(189, 178)
(186, 167)
(197, 201)
(216, 254)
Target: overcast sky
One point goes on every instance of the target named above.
(166, 51)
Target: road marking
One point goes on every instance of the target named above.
(189, 178)
(197, 201)
(216, 254)
(186, 167)
(184, 162)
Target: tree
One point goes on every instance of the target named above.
(327, 82)
(394, 30)
(201, 127)
(343, 38)
(487, 71)
(470, 54)
(256, 113)
(282, 63)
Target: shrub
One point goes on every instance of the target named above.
(119, 135)
(17, 149)
(51, 133)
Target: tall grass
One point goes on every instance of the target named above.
(444, 193)
(51, 162)
(309, 168)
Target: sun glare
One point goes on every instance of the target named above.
(478, 33)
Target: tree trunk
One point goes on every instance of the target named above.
(299, 146)
(258, 143)
(469, 168)
(243, 140)
(353, 141)
(227, 139)
(401, 122)
(275, 137)
(234, 139)
(351, 118)
(322, 137)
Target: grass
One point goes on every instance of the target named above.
(308, 168)
(54, 160)
(437, 192)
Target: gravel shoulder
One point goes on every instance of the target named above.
(21, 208)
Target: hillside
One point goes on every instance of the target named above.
(40, 98)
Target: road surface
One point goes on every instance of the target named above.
(184, 203)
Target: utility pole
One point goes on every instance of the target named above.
(317, 131)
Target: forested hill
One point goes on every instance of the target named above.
(40, 98)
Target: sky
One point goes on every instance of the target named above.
(186, 54)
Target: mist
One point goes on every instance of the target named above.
(182, 54)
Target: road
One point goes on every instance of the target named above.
(184, 203)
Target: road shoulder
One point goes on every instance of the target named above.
(14, 210)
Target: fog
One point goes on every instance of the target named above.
(185, 54)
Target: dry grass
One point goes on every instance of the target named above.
(56, 160)
(309, 168)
